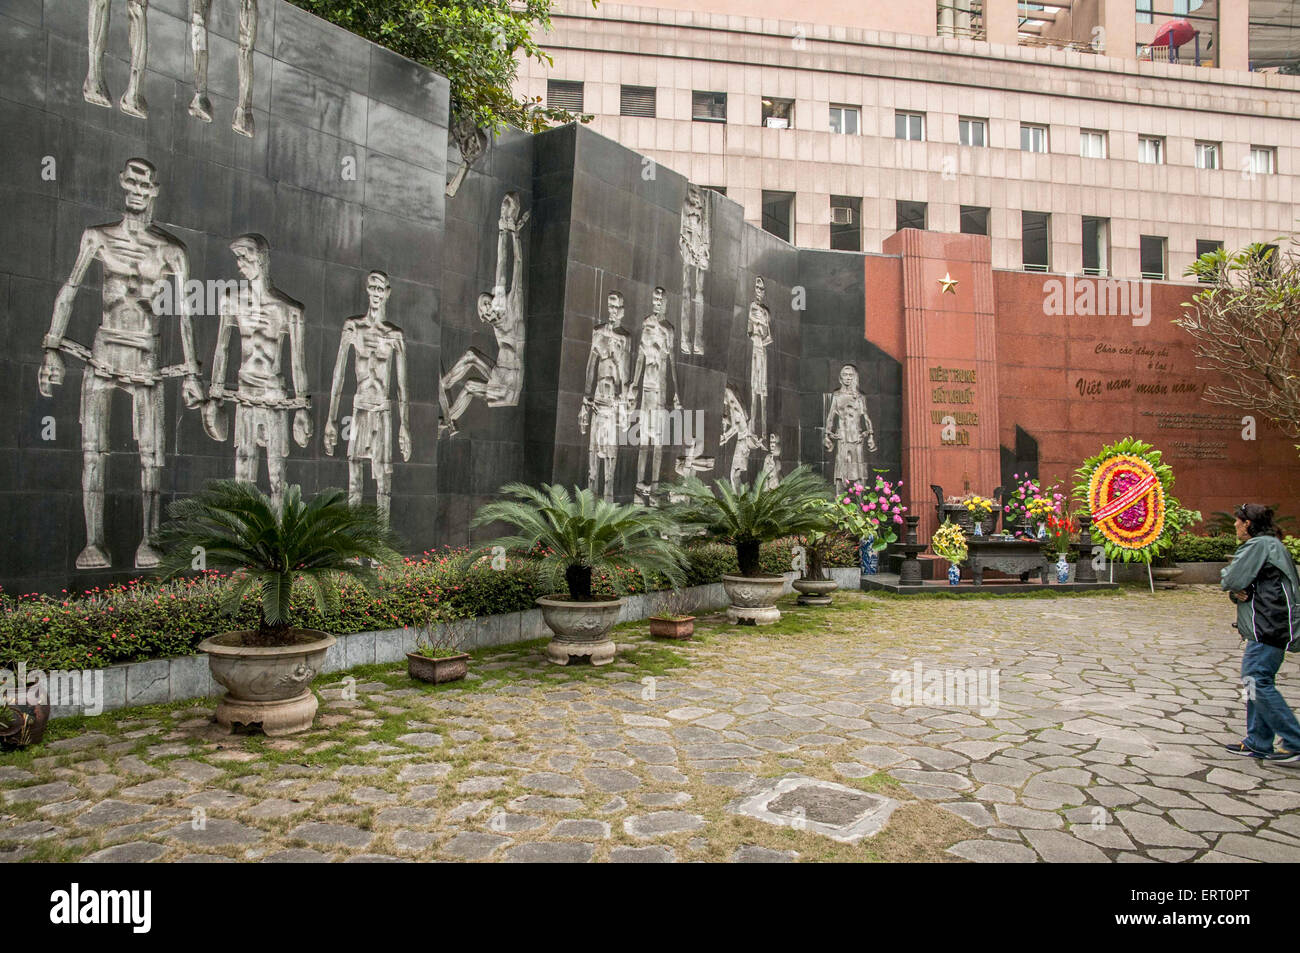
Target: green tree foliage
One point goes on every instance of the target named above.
(476, 44)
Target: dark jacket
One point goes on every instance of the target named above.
(1264, 570)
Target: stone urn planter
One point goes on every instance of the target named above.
(426, 668)
(581, 629)
(753, 599)
(267, 687)
(1166, 576)
(815, 592)
(677, 627)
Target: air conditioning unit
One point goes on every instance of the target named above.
(841, 215)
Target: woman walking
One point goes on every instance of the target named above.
(1262, 581)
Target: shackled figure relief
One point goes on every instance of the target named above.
(736, 426)
(848, 429)
(654, 378)
(263, 316)
(497, 382)
(380, 355)
(137, 259)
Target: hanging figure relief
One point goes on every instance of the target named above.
(694, 244)
(95, 90)
(201, 105)
(759, 330)
(262, 316)
(654, 379)
(769, 475)
(137, 259)
(380, 355)
(848, 429)
(606, 397)
(472, 142)
(499, 382)
(736, 426)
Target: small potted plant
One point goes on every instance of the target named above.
(1178, 520)
(748, 515)
(438, 657)
(267, 671)
(814, 585)
(673, 622)
(582, 538)
(949, 542)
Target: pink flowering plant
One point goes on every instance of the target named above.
(873, 512)
(1032, 501)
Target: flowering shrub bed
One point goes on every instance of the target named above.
(144, 619)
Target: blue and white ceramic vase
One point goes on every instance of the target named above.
(1042, 531)
(954, 575)
(979, 528)
(1062, 568)
(868, 556)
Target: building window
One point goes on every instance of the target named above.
(778, 113)
(1151, 150)
(1207, 155)
(1144, 11)
(909, 215)
(1033, 138)
(1206, 246)
(778, 214)
(708, 107)
(1263, 160)
(1092, 144)
(909, 126)
(974, 220)
(846, 120)
(1153, 257)
(636, 101)
(1096, 246)
(846, 223)
(973, 132)
(1035, 244)
(564, 94)
(1266, 255)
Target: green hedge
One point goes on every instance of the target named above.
(1203, 549)
(144, 619)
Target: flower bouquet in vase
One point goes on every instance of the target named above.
(949, 542)
(875, 515)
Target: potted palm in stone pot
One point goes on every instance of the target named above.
(749, 515)
(267, 671)
(579, 538)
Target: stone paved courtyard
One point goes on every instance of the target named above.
(1105, 746)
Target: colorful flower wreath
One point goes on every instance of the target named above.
(1124, 489)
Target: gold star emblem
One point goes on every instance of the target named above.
(948, 284)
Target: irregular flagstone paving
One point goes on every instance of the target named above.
(1105, 745)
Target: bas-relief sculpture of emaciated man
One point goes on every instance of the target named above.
(759, 330)
(606, 396)
(848, 428)
(380, 355)
(694, 243)
(497, 382)
(137, 258)
(654, 378)
(263, 317)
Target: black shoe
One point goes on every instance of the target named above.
(1242, 750)
(1282, 756)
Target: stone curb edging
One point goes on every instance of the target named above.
(157, 681)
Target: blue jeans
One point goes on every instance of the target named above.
(1267, 713)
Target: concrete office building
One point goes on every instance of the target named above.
(1056, 128)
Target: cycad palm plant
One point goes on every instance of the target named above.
(750, 514)
(579, 535)
(234, 526)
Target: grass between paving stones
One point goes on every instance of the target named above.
(540, 707)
